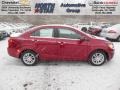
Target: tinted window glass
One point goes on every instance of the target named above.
(65, 33)
(36, 33)
(43, 33)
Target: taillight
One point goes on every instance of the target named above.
(13, 43)
(111, 31)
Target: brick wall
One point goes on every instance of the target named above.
(59, 19)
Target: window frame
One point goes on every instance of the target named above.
(58, 33)
(41, 29)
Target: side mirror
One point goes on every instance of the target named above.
(83, 39)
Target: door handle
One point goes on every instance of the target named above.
(61, 43)
(35, 40)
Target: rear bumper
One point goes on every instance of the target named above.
(13, 52)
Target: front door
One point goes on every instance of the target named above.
(70, 46)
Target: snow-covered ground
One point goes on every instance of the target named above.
(58, 75)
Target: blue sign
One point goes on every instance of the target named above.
(44, 7)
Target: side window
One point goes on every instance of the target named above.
(47, 32)
(36, 33)
(65, 33)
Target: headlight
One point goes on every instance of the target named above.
(110, 45)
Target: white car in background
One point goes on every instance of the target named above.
(87, 25)
(81, 25)
(16, 27)
(112, 32)
(15, 34)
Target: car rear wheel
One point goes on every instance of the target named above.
(98, 58)
(29, 58)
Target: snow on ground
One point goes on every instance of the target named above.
(58, 75)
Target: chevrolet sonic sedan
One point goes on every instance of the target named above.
(59, 42)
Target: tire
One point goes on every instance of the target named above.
(1, 37)
(98, 58)
(29, 58)
(118, 39)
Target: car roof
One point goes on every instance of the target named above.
(55, 25)
(62, 25)
(51, 25)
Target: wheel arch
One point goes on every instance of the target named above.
(107, 55)
(27, 50)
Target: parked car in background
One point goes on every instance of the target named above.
(5, 34)
(95, 30)
(1, 35)
(84, 29)
(112, 32)
(15, 34)
(59, 42)
(9, 27)
(87, 25)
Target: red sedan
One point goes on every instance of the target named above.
(59, 42)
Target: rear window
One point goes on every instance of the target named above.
(43, 33)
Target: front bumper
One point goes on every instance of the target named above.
(111, 54)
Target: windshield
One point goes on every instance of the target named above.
(89, 35)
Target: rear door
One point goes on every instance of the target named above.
(45, 43)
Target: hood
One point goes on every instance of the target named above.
(99, 38)
(114, 27)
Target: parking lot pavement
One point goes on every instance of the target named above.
(58, 75)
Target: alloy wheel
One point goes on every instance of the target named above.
(97, 58)
(29, 58)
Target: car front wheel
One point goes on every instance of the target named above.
(29, 58)
(98, 58)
